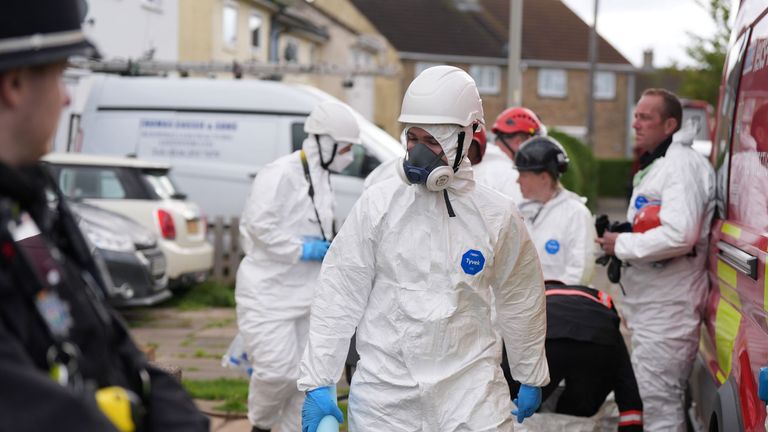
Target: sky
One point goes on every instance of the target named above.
(632, 26)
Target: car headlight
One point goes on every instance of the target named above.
(107, 240)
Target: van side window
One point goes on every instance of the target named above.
(725, 114)
(747, 198)
(363, 164)
(297, 135)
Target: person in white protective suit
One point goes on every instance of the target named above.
(412, 269)
(665, 276)
(494, 165)
(561, 226)
(286, 228)
(512, 127)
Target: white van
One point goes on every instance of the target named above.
(216, 133)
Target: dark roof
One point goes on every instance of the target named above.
(429, 26)
(551, 31)
(295, 22)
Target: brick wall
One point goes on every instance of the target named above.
(610, 115)
(610, 120)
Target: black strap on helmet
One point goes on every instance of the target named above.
(311, 192)
(456, 163)
(324, 164)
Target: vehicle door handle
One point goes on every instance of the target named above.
(738, 259)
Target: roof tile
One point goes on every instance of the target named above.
(551, 31)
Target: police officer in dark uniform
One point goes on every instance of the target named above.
(586, 349)
(67, 362)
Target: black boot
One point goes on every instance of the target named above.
(256, 429)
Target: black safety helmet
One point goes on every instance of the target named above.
(542, 153)
(39, 32)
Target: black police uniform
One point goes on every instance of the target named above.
(586, 349)
(59, 340)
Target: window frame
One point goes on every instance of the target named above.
(478, 72)
(544, 92)
(609, 95)
(231, 44)
(259, 30)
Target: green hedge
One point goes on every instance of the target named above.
(613, 177)
(581, 176)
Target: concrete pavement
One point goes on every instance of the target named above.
(195, 342)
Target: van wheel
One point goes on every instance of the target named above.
(713, 423)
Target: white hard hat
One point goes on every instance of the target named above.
(442, 95)
(334, 119)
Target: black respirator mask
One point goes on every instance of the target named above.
(423, 166)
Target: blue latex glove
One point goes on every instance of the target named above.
(314, 249)
(317, 404)
(528, 400)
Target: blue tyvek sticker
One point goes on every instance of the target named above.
(472, 262)
(552, 246)
(640, 201)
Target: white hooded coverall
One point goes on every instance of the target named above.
(666, 281)
(498, 171)
(274, 287)
(417, 285)
(384, 171)
(564, 234)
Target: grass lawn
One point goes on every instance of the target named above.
(202, 296)
(233, 394)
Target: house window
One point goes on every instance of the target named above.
(553, 83)
(291, 51)
(255, 23)
(488, 78)
(420, 66)
(229, 25)
(605, 85)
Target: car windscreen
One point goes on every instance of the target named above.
(161, 184)
(97, 182)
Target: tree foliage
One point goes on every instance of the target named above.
(702, 81)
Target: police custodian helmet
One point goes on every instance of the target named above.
(38, 32)
(542, 153)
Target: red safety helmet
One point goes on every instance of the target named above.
(516, 120)
(480, 140)
(647, 218)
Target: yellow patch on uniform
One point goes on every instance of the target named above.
(726, 273)
(729, 293)
(727, 322)
(731, 230)
(720, 377)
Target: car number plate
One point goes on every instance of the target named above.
(193, 226)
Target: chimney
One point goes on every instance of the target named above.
(648, 59)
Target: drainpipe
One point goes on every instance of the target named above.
(274, 37)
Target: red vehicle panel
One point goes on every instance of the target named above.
(734, 343)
